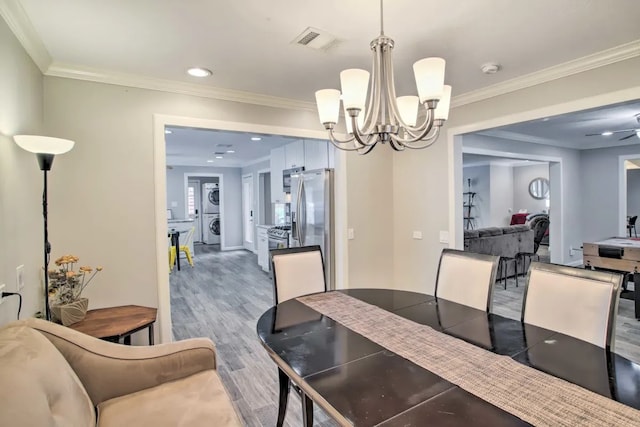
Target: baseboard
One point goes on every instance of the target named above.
(231, 248)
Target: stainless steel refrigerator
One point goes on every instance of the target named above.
(312, 215)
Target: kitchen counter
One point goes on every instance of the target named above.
(177, 221)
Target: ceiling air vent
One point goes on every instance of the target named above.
(315, 39)
(219, 153)
(224, 145)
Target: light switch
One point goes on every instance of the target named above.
(174, 204)
(417, 235)
(351, 234)
(444, 236)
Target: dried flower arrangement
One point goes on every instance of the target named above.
(66, 284)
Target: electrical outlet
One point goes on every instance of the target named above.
(2, 290)
(19, 277)
(417, 235)
(351, 234)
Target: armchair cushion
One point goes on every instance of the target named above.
(38, 385)
(198, 400)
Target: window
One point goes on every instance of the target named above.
(191, 200)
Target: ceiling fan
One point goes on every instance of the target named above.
(634, 132)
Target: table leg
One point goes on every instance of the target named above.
(176, 244)
(636, 294)
(285, 386)
(127, 340)
(151, 336)
(307, 410)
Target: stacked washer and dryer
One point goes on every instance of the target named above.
(211, 213)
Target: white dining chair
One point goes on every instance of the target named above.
(467, 278)
(296, 272)
(573, 301)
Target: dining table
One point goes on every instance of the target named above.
(385, 357)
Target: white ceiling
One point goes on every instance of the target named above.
(198, 147)
(248, 45)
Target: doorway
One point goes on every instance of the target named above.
(247, 212)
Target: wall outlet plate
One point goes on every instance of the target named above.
(351, 234)
(19, 277)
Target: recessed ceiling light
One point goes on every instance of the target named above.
(256, 138)
(199, 72)
(209, 161)
(230, 151)
(218, 157)
(607, 133)
(167, 131)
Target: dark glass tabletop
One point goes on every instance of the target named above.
(358, 382)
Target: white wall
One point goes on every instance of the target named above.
(480, 184)
(21, 235)
(425, 179)
(231, 204)
(501, 179)
(113, 166)
(633, 193)
(522, 176)
(600, 179)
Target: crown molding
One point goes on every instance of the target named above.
(71, 71)
(589, 62)
(16, 18)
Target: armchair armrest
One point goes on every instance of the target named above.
(109, 370)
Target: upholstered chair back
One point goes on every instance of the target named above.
(573, 301)
(467, 278)
(297, 272)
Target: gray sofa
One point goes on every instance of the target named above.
(501, 241)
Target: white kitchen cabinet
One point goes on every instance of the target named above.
(263, 248)
(294, 154)
(316, 154)
(277, 161)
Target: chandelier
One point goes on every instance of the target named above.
(387, 118)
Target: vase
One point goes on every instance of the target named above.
(70, 313)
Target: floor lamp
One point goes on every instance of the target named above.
(45, 148)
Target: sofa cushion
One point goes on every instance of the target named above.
(490, 231)
(515, 229)
(39, 388)
(471, 234)
(197, 400)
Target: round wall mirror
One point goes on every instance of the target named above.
(539, 188)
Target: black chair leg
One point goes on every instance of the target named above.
(285, 386)
(307, 410)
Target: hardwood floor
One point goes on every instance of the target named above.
(222, 298)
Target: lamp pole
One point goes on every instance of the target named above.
(45, 161)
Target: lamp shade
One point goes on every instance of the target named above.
(429, 73)
(408, 109)
(328, 102)
(43, 144)
(442, 109)
(355, 83)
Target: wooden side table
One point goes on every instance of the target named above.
(113, 323)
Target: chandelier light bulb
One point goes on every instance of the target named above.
(408, 109)
(429, 73)
(354, 83)
(442, 109)
(328, 101)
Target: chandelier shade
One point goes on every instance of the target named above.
(373, 112)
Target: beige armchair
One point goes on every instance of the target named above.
(55, 376)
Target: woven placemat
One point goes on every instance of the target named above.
(531, 395)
